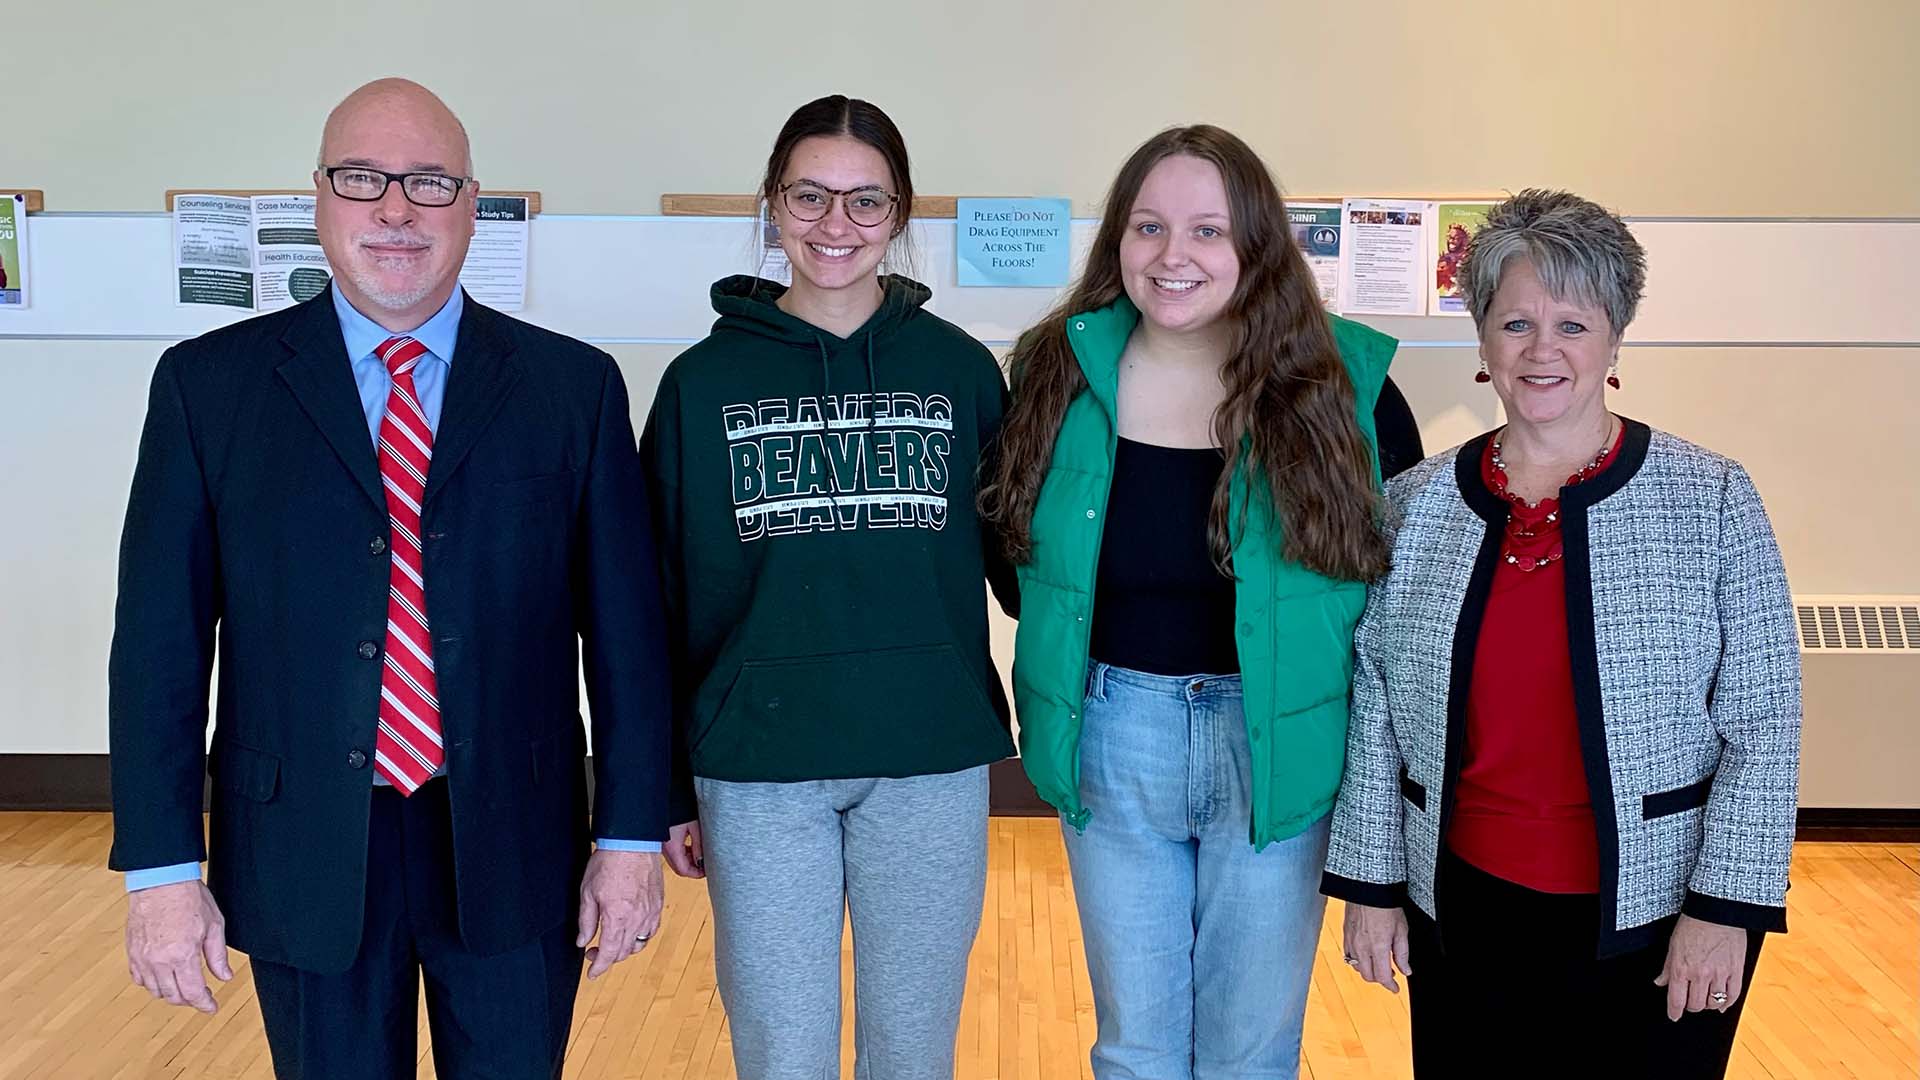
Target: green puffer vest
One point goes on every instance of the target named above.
(1295, 626)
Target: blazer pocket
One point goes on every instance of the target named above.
(1413, 792)
(553, 487)
(248, 773)
(1678, 801)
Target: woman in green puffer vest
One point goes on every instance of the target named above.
(1192, 445)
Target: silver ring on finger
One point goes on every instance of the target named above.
(639, 939)
(1352, 961)
(1717, 998)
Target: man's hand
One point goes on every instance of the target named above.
(171, 931)
(621, 896)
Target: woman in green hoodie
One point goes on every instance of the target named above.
(814, 466)
(1191, 445)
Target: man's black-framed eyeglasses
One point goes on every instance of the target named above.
(361, 184)
(867, 207)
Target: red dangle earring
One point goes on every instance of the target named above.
(1613, 375)
(1481, 376)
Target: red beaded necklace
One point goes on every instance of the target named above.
(1532, 537)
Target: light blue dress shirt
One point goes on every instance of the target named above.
(440, 334)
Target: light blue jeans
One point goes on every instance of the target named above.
(1200, 949)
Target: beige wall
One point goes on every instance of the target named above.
(1658, 107)
(1677, 107)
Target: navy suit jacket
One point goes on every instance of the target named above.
(257, 528)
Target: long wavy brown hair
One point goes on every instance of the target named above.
(1289, 410)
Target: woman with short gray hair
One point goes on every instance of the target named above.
(1569, 796)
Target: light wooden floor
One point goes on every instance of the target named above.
(1837, 997)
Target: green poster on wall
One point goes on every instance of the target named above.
(13, 251)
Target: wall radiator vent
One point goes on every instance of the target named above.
(1859, 624)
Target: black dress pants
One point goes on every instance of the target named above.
(504, 1016)
(1518, 992)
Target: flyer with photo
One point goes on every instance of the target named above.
(13, 251)
(774, 264)
(1454, 224)
(1316, 229)
(1384, 271)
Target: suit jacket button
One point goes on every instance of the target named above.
(377, 545)
(368, 650)
(356, 759)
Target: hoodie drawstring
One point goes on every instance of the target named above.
(826, 429)
(873, 383)
(826, 396)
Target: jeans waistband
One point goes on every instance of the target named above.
(1180, 686)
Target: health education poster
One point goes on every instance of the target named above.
(253, 252)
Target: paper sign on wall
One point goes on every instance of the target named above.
(1018, 242)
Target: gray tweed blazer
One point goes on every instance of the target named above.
(1686, 674)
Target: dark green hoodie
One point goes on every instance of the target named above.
(824, 565)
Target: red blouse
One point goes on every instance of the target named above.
(1521, 807)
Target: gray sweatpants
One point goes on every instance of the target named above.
(907, 859)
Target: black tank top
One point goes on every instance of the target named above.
(1159, 604)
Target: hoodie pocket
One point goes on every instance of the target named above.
(875, 712)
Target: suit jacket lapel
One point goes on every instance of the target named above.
(482, 371)
(321, 377)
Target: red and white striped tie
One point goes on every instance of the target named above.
(407, 749)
